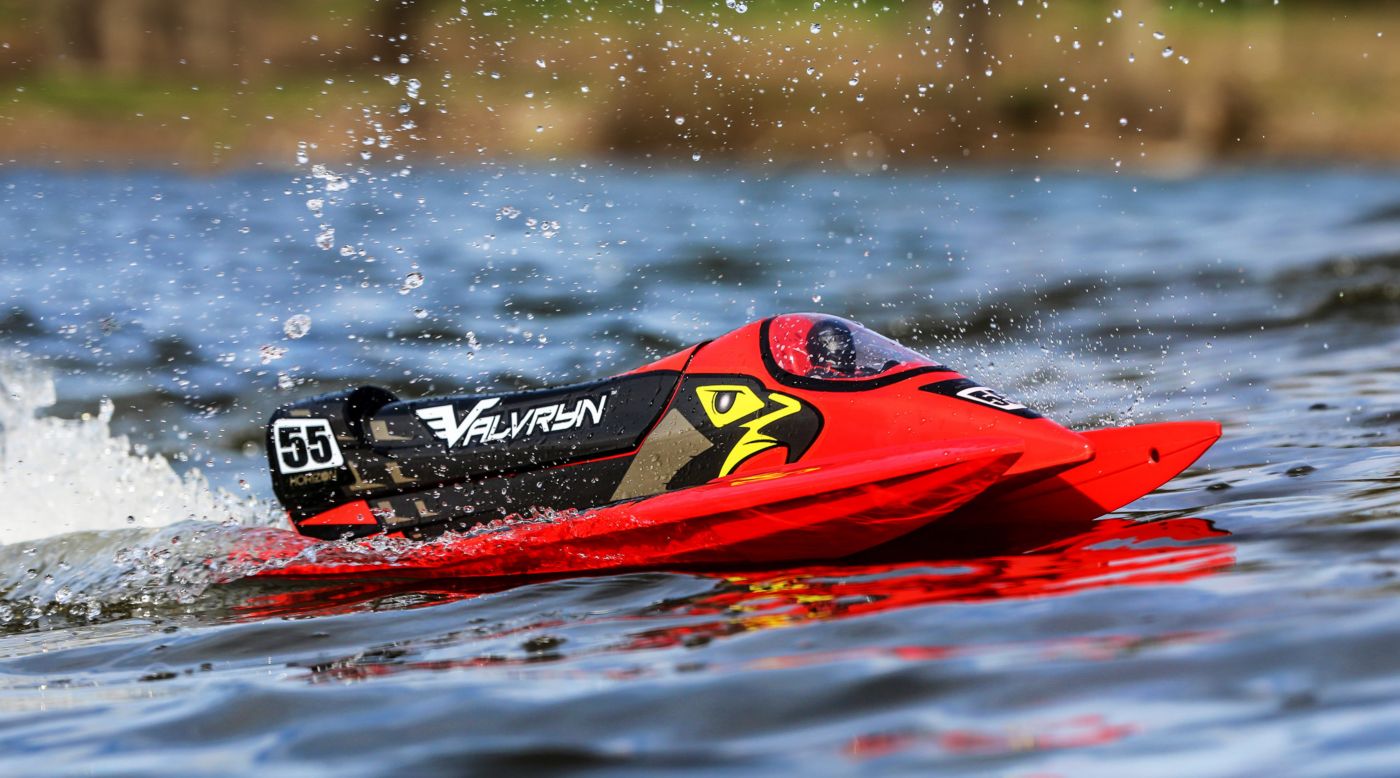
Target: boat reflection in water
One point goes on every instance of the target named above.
(1110, 552)
(1113, 552)
(612, 643)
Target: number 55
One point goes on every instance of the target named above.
(305, 444)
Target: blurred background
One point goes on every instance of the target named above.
(1145, 84)
(1114, 212)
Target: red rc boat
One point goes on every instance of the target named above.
(801, 437)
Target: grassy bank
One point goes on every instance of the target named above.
(854, 86)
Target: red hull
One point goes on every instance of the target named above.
(793, 513)
(1019, 513)
(1128, 463)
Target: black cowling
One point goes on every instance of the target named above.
(469, 458)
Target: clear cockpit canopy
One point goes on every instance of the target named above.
(809, 345)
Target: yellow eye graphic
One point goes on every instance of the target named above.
(725, 404)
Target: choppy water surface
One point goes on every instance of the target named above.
(1243, 620)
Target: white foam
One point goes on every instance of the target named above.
(70, 475)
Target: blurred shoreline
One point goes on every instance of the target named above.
(1135, 85)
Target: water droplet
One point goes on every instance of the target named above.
(383, 514)
(937, 8)
(1161, 36)
(695, 157)
(403, 59)
(410, 282)
(854, 80)
(411, 88)
(297, 326)
(325, 239)
(420, 313)
(393, 79)
(266, 354)
(334, 182)
(816, 28)
(680, 120)
(315, 205)
(1167, 52)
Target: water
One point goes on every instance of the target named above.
(1240, 621)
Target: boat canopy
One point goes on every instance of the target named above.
(829, 348)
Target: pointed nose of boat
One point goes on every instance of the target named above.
(1049, 447)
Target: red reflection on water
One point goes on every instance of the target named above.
(1077, 732)
(1111, 552)
(1114, 552)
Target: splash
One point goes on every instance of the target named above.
(72, 475)
(90, 577)
(92, 531)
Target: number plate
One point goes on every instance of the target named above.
(305, 444)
